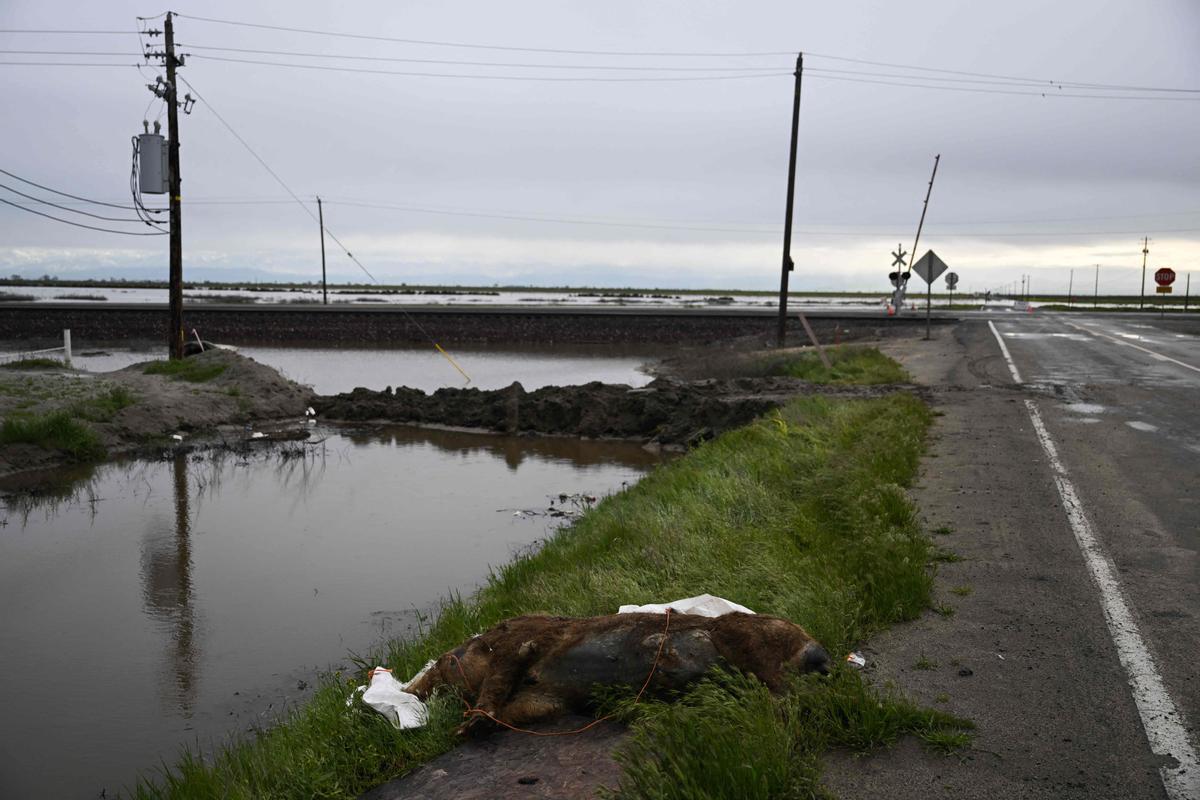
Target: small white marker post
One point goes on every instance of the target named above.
(67, 346)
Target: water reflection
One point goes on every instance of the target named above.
(167, 590)
(205, 588)
(515, 450)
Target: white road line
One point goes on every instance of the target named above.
(1004, 349)
(1166, 728)
(1158, 356)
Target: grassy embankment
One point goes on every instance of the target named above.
(186, 369)
(801, 514)
(847, 364)
(67, 429)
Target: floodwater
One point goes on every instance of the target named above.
(649, 298)
(330, 371)
(149, 605)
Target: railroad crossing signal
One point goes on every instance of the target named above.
(898, 256)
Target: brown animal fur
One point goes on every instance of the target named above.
(532, 668)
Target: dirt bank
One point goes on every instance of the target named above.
(666, 412)
(129, 409)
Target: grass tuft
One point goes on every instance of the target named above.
(186, 369)
(35, 363)
(848, 364)
(58, 430)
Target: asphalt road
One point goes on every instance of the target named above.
(1073, 485)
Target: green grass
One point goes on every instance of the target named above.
(35, 363)
(103, 407)
(729, 738)
(848, 364)
(58, 430)
(186, 369)
(801, 514)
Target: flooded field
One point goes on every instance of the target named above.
(593, 298)
(330, 371)
(153, 604)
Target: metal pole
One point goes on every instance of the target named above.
(788, 265)
(175, 332)
(321, 222)
(1070, 286)
(1096, 296)
(924, 208)
(1187, 292)
(1145, 252)
(928, 306)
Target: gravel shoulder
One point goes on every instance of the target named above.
(1021, 648)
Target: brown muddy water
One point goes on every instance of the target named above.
(334, 370)
(152, 605)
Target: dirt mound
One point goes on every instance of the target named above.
(131, 410)
(665, 411)
(242, 390)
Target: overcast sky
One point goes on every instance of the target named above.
(682, 182)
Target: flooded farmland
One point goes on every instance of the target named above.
(151, 605)
(334, 370)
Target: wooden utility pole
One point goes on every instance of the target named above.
(788, 265)
(1096, 291)
(175, 332)
(924, 208)
(1070, 286)
(321, 222)
(1145, 252)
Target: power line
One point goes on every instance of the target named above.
(710, 54)
(1044, 94)
(72, 32)
(67, 53)
(64, 64)
(556, 79)
(65, 208)
(66, 194)
(275, 175)
(79, 224)
(467, 45)
(339, 56)
(1048, 82)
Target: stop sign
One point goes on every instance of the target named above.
(1165, 276)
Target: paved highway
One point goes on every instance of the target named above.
(1067, 462)
(1123, 413)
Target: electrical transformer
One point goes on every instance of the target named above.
(152, 163)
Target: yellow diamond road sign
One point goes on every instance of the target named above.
(929, 267)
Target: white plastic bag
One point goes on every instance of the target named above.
(705, 605)
(386, 695)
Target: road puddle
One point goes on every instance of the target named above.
(1084, 408)
(150, 605)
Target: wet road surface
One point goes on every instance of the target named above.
(1030, 647)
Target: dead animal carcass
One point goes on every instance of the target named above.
(533, 668)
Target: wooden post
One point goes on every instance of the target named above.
(175, 332)
(321, 222)
(781, 334)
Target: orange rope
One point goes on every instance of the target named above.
(479, 712)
